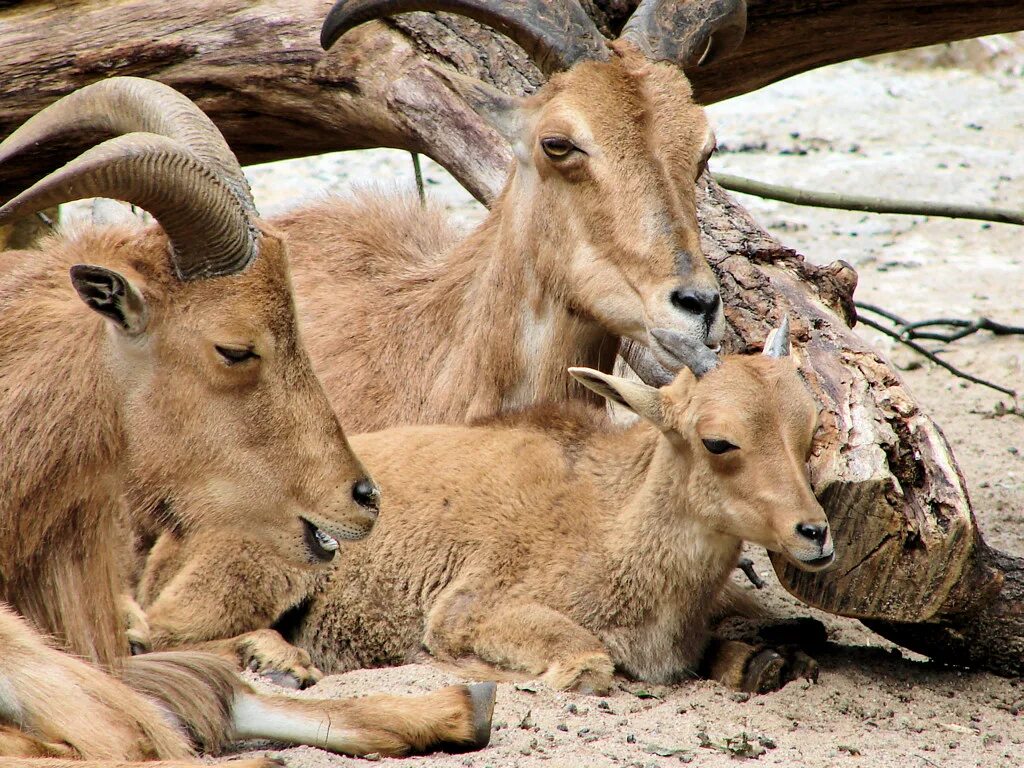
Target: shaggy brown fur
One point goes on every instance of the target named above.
(568, 550)
(138, 388)
(407, 322)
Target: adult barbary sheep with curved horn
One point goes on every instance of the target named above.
(172, 359)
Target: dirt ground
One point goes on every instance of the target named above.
(946, 124)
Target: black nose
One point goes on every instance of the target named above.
(366, 494)
(696, 302)
(815, 533)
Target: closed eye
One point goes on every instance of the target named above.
(236, 355)
(718, 446)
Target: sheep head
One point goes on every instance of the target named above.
(603, 190)
(224, 422)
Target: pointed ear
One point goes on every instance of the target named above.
(112, 295)
(499, 109)
(641, 399)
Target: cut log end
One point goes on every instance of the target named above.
(990, 637)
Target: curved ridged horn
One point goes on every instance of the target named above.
(694, 355)
(554, 33)
(123, 105)
(777, 343)
(687, 33)
(208, 227)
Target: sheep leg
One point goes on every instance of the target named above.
(137, 625)
(219, 594)
(457, 718)
(756, 668)
(521, 635)
(265, 652)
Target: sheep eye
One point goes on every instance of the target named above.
(236, 355)
(557, 147)
(719, 447)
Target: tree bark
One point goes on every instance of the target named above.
(909, 556)
(256, 67)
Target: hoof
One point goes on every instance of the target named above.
(764, 673)
(137, 648)
(482, 695)
(770, 669)
(799, 665)
(481, 701)
(589, 674)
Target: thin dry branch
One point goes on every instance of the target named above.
(867, 203)
(935, 358)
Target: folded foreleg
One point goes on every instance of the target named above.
(520, 635)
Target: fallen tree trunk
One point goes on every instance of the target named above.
(909, 556)
(255, 66)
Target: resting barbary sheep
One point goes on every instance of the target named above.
(171, 355)
(555, 543)
(594, 239)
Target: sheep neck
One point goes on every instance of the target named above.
(61, 482)
(660, 541)
(516, 337)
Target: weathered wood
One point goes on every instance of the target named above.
(257, 68)
(988, 634)
(908, 550)
(786, 37)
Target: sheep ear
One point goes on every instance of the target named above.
(112, 295)
(641, 399)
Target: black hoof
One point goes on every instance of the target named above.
(482, 695)
(481, 698)
(764, 672)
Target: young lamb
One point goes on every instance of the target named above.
(557, 544)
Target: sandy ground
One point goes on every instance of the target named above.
(902, 127)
